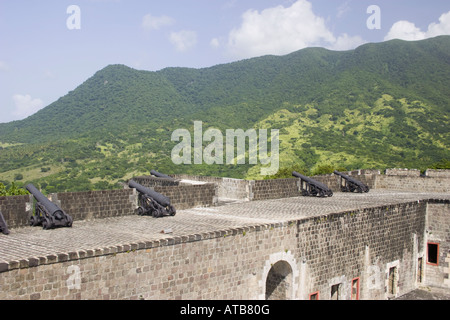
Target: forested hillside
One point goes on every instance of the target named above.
(380, 105)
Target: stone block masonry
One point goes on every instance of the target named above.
(438, 234)
(96, 204)
(150, 181)
(402, 172)
(16, 210)
(190, 196)
(274, 189)
(424, 184)
(241, 251)
(272, 244)
(441, 173)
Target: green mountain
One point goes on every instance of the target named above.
(380, 105)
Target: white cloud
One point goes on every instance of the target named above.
(26, 106)
(345, 42)
(343, 9)
(183, 40)
(281, 30)
(214, 43)
(150, 22)
(406, 30)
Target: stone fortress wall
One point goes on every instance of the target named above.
(375, 252)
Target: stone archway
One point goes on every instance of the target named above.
(280, 277)
(279, 282)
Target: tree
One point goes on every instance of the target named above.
(12, 191)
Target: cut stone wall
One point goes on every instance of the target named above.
(100, 204)
(408, 183)
(402, 172)
(438, 231)
(317, 253)
(274, 189)
(438, 173)
(16, 210)
(95, 204)
(189, 196)
(150, 181)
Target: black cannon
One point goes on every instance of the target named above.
(3, 225)
(151, 202)
(47, 214)
(312, 188)
(349, 184)
(160, 175)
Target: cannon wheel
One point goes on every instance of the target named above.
(140, 211)
(34, 221)
(156, 213)
(46, 223)
(70, 221)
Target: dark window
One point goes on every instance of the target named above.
(314, 296)
(433, 253)
(335, 291)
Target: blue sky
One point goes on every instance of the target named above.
(47, 50)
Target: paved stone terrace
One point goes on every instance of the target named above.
(32, 245)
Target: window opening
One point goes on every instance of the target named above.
(314, 296)
(433, 253)
(335, 291)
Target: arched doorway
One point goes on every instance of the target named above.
(279, 281)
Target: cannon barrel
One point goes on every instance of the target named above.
(339, 173)
(159, 174)
(161, 199)
(309, 180)
(52, 208)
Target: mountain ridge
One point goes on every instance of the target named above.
(187, 90)
(381, 104)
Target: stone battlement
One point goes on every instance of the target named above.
(268, 243)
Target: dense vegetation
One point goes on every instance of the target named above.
(12, 190)
(378, 106)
